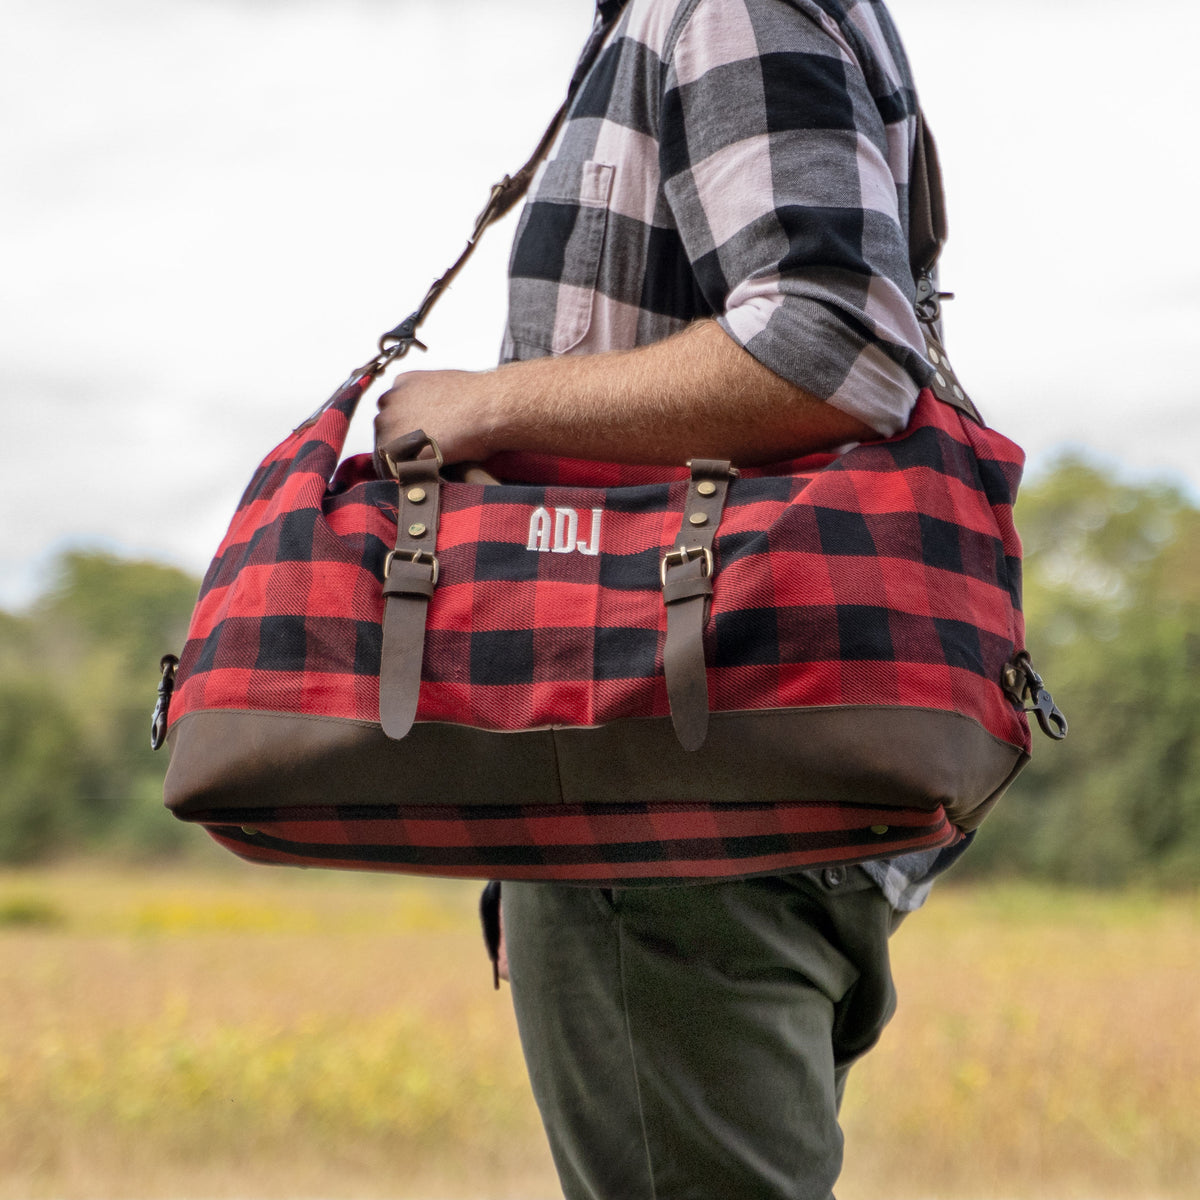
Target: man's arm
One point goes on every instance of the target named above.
(697, 393)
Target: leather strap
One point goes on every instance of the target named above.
(944, 384)
(927, 226)
(410, 575)
(687, 583)
(504, 196)
(927, 231)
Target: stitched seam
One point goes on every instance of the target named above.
(560, 783)
(633, 1057)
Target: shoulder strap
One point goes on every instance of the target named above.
(504, 195)
(926, 203)
(927, 230)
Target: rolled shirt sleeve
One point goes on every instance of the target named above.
(786, 171)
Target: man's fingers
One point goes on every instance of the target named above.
(502, 953)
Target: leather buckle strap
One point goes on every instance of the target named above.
(410, 573)
(945, 384)
(687, 583)
(417, 573)
(680, 557)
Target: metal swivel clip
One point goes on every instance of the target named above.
(166, 685)
(929, 300)
(1022, 683)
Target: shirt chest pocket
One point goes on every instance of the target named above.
(555, 265)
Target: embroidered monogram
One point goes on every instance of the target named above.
(560, 534)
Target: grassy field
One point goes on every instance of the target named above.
(260, 1033)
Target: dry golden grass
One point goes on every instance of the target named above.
(1047, 1045)
(258, 1033)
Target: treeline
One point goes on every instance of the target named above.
(78, 680)
(1112, 596)
(1112, 607)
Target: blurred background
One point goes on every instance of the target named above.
(209, 211)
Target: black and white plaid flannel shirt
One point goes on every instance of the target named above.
(746, 160)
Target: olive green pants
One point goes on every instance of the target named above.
(692, 1043)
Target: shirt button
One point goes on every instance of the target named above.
(834, 876)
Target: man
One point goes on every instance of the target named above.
(713, 263)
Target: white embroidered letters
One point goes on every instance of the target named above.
(566, 530)
(539, 530)
(592, 546)
(560, 534)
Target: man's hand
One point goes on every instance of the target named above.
(450, 406)
(502, 956)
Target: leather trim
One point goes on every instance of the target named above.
(945, 384)
(894, 757)
(687, 578)
(410, 577)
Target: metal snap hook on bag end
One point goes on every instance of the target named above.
(166, 685)
(1052, 721)
(1021, 682)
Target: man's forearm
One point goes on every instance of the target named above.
(695, 394)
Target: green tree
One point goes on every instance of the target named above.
(1112, 591)
(43, 774)
(138, 608)
(79, 682)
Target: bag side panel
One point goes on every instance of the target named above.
(270, 624)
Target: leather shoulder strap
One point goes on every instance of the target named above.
(504, 195)
(927, 228)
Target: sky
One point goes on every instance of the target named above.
(210, 209)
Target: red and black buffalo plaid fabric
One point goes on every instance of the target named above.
(887, 576)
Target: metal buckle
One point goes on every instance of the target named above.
(412, 556)
(682, 555)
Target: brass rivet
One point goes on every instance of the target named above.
(941, 379)
(416, 495)
(706, 487)
(416, 530)
(698, 519)
(249, 832)
(879, 830)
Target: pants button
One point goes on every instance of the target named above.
(834, 876)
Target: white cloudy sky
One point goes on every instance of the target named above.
(210, 208)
